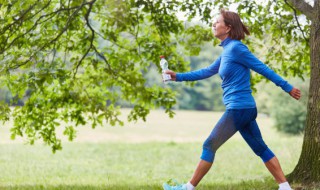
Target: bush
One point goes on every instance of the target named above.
(289, 114)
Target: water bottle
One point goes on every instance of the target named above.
(164, 66)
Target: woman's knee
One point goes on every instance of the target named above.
(207, 144)
(208, 151)
(266, 155)
(207, 155)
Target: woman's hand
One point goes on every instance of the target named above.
(172, 74)
(295, 93)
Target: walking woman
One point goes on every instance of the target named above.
(233, 66)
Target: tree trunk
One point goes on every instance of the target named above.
(307, 171)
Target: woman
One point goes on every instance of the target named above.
(234, 66)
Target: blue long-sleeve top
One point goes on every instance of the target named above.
(234, 66)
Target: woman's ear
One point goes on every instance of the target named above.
(228, 29)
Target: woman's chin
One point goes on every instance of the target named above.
(216, 36)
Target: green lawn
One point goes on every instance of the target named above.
(143, 156)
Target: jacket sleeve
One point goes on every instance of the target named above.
(245, 57)
(201, 73)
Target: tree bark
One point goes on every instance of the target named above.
(303, 7)
(307, 170)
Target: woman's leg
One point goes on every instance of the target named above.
(202, 169)
(251, 133)
(223, 130)
(274, 167)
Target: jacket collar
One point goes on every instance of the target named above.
(225, 42)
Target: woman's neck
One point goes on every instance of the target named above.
(222, 38)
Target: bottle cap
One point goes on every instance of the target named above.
(162, 56)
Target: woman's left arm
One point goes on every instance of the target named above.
(246, 58)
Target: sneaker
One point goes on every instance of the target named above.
(174, 187)
(284, 186)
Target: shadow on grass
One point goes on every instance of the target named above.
(266, 184)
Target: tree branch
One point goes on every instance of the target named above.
(20, 19)
(303, 7)
(91, 40)
(296, 17)
(39, 21)
(54, 39)
(29, 30)
(93, 32)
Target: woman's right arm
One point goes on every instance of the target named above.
(198, 74)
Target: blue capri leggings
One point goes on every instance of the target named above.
(233, 120)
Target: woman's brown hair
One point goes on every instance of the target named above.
(238, 29)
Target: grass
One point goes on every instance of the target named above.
(143, 156)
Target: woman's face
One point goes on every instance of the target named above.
(219, 28)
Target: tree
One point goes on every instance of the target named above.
(308, 167)
(51, 49)
(77, 58)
